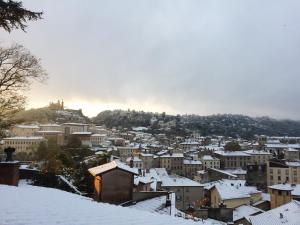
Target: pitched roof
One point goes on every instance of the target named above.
(287, 214)
(233, 189)
(245, 211)
(157, 205)
(111, 165)
(39, 205)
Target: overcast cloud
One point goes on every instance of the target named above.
(201, 57)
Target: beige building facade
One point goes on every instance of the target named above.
(279, 172)
(210, 162)
(24, 130)
(23, 144)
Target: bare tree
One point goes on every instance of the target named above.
(18, 69)
(14, 16)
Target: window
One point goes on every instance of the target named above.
(279, 192)
(178, 198)
(279, 177)
(271, 177)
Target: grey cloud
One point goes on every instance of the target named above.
(191, 56)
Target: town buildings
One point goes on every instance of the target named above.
(209, 161)
(281, 171)
(173, 162)
(113, 182)
(232, 193)
(233, 159)
(24, 130)
(23, 144)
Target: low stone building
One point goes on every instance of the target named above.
(280, 194)
(172, 162)
(113, 182)
(209, 161)
(232, 193)
(98, 139)
(281, 171)
(190, 167)
(259, 157)
(147, 160)
(233, 159)
(189, 193)
(57, 136)
(24, 130)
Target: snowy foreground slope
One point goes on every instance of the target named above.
(38, 205)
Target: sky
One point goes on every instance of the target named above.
(202, 57)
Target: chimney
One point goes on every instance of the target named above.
(222, 205)
(131, 162)
(9, 169)
(9, 152)
(168, 200)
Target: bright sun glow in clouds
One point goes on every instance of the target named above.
(92, 108)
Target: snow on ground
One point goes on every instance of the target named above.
(33, 205)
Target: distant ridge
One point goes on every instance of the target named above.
(220, 124)
(50, 115)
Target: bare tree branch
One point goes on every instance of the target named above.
(18, 69)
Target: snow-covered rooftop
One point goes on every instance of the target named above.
(99, 135)
(192, 162)
(237, 171)
(24, 138)
(232, 189)
(293, 163)
(232, 153)
(135, 159)
(139, 128)
(75, 124)
(224, 172)
(27, 126)
(245, 211)
(295, 188)
(146, 154)
(43, 206)
(157, 205)
(49, 125)
(82, 133)
(257, 152)
(287, 214)
(174, 155)
(111, 165)
(208, 157)
(49, 132)
(292, 150)
(177, 181)
(190, 143)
